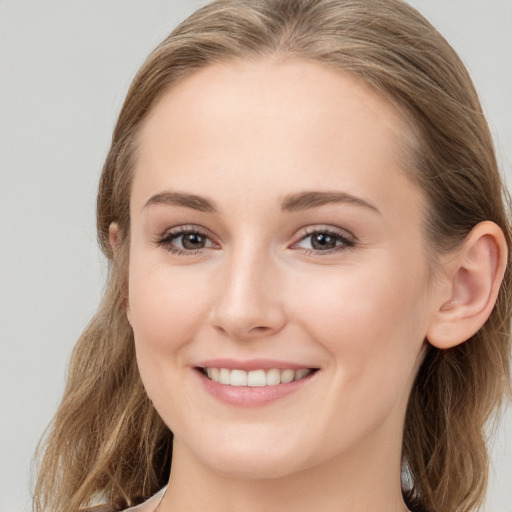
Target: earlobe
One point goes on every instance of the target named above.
(474, 277)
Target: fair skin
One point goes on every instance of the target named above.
(254, 274)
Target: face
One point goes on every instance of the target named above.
(278, 284)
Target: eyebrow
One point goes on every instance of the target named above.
(306, 200)
(182, 199)
(291, 203)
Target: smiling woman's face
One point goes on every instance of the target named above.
(275, 236)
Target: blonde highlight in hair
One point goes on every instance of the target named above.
(106, 441)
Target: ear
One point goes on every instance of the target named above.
(473, 277)
(114, 239)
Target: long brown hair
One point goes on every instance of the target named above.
(107, 442)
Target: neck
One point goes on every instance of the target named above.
(364, 481)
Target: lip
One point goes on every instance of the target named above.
(246, 396)
(253, 364)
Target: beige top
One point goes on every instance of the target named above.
(149, 505)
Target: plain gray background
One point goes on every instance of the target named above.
(64, 69)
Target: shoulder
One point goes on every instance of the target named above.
(147, 506)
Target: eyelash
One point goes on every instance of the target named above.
(168, 237)
(346, 242)
(166, 240)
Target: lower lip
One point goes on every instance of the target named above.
(247, 396)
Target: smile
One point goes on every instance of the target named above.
(255, 378)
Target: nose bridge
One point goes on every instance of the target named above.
(248, 300)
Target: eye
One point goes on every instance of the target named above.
(185, 240)
(325, 241)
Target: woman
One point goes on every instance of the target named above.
(307, 239)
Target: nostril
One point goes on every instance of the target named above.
(241, 331)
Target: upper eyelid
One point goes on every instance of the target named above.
(186, 228)
(311, 230)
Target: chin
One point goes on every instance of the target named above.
(251, 466)
(257, 459)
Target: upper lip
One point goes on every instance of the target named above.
(252, 364)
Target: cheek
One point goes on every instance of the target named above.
(166, 312)
(164, 305)
(372, 320)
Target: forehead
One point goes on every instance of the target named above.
(305, 89)
(291, 124)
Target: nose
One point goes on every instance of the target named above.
(249, 299)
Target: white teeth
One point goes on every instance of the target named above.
(287, 376)
(238, 378)
(273, 377)
(224, 376)
(256, 378)
(299, 374)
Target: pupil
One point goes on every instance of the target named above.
(323, 241)
(193, 241)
